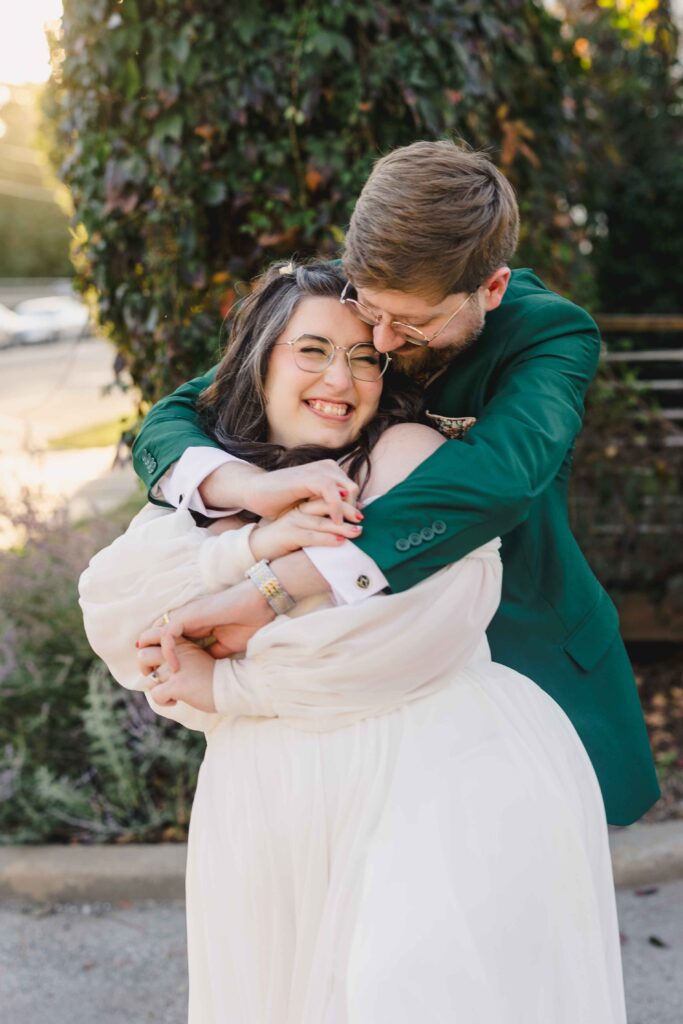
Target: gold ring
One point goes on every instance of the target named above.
(165, 619)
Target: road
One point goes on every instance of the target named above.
(47, 391)
(103, 964)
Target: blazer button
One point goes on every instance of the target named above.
(148, 461)
(438, 526)
(363, 582)
(427, 533)
(402, 544)
(415, 539)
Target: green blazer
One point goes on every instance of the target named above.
(524, 380)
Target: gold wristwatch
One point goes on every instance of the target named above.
(263, 577)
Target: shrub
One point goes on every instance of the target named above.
(80, 758)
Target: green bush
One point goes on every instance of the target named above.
(80, 758)
(200, 144)
(633, 94)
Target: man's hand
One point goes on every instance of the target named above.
(239, 485)
(232, 617)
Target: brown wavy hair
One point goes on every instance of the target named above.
(438, 215)
(233, 407)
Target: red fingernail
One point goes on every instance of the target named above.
(344, 494)
(137, 643)
(359, 516)
(340, 538)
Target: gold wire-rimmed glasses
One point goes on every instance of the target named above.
(413, 335)
(313, 354)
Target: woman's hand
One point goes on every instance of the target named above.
(305, 525)
(271, 494)
(192, 683)
(231, 617)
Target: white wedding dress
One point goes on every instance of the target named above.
(389, 828)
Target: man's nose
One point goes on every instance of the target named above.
(385, 337)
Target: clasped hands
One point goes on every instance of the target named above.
(303, 506)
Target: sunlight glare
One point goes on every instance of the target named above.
(23, 47)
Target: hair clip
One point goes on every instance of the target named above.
(287, 269)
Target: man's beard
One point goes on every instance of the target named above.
(421, 364)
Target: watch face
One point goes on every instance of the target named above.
(451, 426)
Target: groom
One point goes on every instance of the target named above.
(426, 254)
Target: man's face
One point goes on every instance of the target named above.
(450, 336)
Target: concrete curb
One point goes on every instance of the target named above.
(641, 855)
(93, 873)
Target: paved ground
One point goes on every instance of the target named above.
(47, 391)
(125, 964)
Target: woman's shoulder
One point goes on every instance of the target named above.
(398, 452)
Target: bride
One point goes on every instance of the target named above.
(388, 826)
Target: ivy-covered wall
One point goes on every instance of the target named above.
(201, 139)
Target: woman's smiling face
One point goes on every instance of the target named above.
(329, 408)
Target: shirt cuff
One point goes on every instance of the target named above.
(180, 484)
(351, 574)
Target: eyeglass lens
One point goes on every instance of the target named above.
(368, 316)
(315, 354)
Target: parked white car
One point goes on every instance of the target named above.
(53, 318)
(8, 326)
(17, 330)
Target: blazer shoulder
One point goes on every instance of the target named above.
(530, 312)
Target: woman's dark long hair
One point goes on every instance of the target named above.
(233, 407)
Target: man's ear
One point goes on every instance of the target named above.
(494, 288)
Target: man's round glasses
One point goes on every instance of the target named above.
(413, 335)
(314, 354)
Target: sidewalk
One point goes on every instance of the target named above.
(47, 391)
(641, 855)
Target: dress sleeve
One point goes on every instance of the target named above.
(162, 561)
(335, 666)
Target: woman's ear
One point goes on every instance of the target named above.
(494, 288)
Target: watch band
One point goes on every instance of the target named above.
(263, 577)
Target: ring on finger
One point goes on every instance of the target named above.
(165, 619)
(155, 676)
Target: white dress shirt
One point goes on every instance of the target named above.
(351, 574)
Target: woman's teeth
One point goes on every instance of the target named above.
(329, 408)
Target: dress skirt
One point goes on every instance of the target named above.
(445, 862)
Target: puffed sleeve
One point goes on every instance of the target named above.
(162, 561)
(336, 666)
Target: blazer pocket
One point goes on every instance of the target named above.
(590, 640)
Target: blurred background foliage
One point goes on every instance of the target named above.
(199, 141)
(81, 759)
(34, 229)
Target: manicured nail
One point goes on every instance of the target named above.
(344, 494)
(340, 538)
(356, 528)
(359, 516)
(137, 643)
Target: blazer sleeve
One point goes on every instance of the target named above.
(474, 489)
(170, 427)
